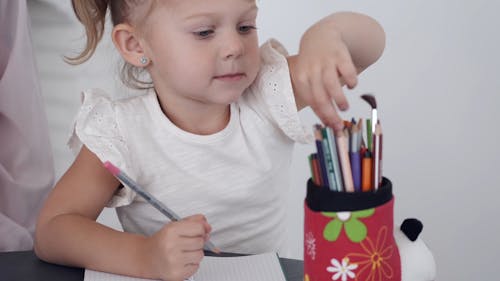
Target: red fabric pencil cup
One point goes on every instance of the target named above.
(349, 235)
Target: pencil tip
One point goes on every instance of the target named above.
(216, 251)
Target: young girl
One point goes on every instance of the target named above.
(213, 135)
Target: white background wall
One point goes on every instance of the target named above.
(437, 88)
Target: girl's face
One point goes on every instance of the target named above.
(203, 52)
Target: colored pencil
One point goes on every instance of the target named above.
(366, 172)
(150, 198)
(329, 160)
(321, 155)
(337, 170)
(369, 134)
(343, 149)
(377, 156)
(355, 157)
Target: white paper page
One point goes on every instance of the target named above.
(262, 267)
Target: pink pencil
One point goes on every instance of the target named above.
(343, 147)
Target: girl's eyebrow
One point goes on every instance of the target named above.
(212, 14)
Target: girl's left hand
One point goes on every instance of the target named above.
(319, 71)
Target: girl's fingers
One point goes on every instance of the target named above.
(195, 226)
(348, 73)
(193, 257)
(336, 96)
(333, 87)
(322, 103)
(190, 244)
(190, 270)
(346, 70)
(191, 263)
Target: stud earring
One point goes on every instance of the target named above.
(144, 60)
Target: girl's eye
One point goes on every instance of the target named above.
(244, 29)
(204, 33)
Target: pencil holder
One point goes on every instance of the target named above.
(349, 235)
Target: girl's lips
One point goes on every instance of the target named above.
(230, 77)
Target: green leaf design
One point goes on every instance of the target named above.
(355, 230)
(329, 214)
(332, 230)
(363, 213)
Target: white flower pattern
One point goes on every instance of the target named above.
(343, 270)
(311, 245)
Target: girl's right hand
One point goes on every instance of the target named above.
(177, 249)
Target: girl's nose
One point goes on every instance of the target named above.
(232, 46)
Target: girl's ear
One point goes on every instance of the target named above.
(129, 45)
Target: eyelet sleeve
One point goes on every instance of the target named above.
(97, 128)
(273, 87)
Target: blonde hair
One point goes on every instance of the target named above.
(92, 14)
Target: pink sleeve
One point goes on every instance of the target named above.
(26, 166)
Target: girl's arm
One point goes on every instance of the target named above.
(332, 52)
(68, 234)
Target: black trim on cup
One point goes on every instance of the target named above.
(322, 199)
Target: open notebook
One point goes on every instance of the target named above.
(262, 267)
